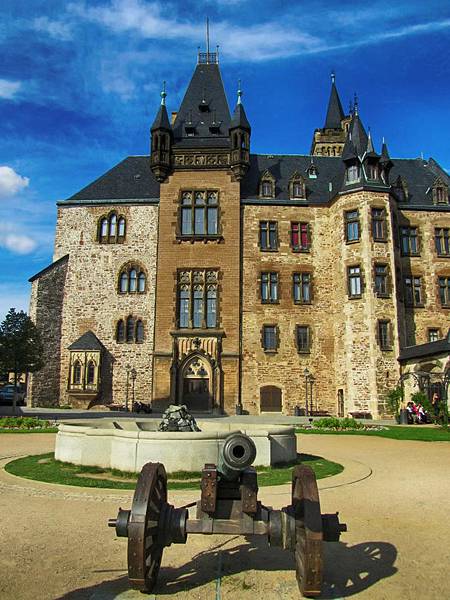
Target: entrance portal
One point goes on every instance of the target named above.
(195, 388)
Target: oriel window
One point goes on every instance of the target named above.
(442, 241)
(302, 288)
(268, 235)
(199, 213)
(197, 299)
(300, 237)
(269, 287)
(352, 225)
(379, 224)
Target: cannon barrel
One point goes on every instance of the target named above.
(237, 453)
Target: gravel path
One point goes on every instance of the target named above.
(394, 496)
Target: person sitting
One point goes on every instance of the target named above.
(421, 414)
(410, 413)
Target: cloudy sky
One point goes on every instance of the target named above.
(80, 82)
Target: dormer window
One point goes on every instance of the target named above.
(190, 130)
(266, 188)
(312, 172)
(267, 185)
(440, 192)
(372, 171)
(352, 174)
(297, 187)
(401, 189)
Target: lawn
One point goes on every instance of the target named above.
(44, 467)
(408, 432)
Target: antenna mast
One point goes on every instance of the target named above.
(207, 40)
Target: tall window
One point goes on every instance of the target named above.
(440, 194)
(372, 171)
(303, 336)
(384, 334)
(409, 241)
(297, 186)
(442, 241)
(197, 299)
(120, 331)
(268, 235)
(77, 372)
(90, 373)
(199, 213)
(300, 237)
(269, 287)
(130, 330)
(302, 288)
(444, 291)
(111, 229)
(413, 291)
(267, 186)
(354, 281)
(352, 173)
(379, 224)
(352, 225)
(132, 280)
(269, 338)
(381, 280)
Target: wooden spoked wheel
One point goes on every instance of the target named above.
(144, 550)
(308, 531)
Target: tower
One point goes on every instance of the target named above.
(161, 141)
(240, 140)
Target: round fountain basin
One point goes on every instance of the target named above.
(129, 444)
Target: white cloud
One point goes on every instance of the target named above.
(59, 30)
(11, 183)
(19, 244)
(8, 89)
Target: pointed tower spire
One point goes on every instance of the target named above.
(335, 113)
(357, 140)
(240, 138)
(161, 136)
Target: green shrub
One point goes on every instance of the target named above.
(394, 399)
(422, 398)
(23, 423)
(338, 424)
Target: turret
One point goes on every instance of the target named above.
(161, 141)
(329, 140)
(240, 140)
(386, 163)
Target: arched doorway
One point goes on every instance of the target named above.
(195, 385)
(270, 399)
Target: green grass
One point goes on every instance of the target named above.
(25, 425)
(42, 430)
(412, 432)
(43, 467)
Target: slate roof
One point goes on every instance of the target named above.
(419, 176)
(429, 349)
(357, 139)
(240, 118)
(335, 113)
(88, 341)
(205, 88)
(161, 120)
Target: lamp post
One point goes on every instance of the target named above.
(307, 375)
(133, 381)
(128, 369)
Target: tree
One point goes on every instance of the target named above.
(21, 347)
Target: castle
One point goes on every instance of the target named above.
(229, 281)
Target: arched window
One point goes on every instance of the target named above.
(90, 375)
(141, 282)
(132, 279)
(130, 329)
(111, 229)
(267, 185)
(104, 228)
(120, 333)
(124, 282)
(113, 226)
(139, 332)
(121, 232)
(77, 372)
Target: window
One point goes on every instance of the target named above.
(381, 280)
(302, 288)
(77, 372)
(130, 330)
(297, 186)
(268, 235)
(90, 374)
(139, 332)
(267, 185)
(199, 213)
(444, 291)
(409, 241)
(312, 172)
(270, 338)
(300, 237)
(413, 291)
(120, 331)
(111, 229)
(352, 225)
(440, 193)
(352, 173)
(434, 334)
(269, 287)
(441, 238)
(379, 224)
(303, 338)
(372, 171)
(132, 280)
(197, 299)
(354, 281)
(384, 335)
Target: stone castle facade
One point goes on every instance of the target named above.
(206, 275)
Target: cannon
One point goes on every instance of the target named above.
(228, 505)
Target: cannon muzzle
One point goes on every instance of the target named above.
(238, 452)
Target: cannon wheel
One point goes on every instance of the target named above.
(308, 531)
(144, 551)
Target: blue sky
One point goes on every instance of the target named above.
(80, 82)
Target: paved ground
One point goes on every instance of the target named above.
(394, 496)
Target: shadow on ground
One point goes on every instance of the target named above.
(348, 569)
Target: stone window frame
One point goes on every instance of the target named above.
(270, 349)
(413, 291)
(387, 279)
(300, 228)
(267, 185)
(120, 228)
(355, 276)
(207, 206)
(127, 330)
(401, 189)
(349, 223)
(194, 280)
(408, 239)
(443, 286)
(271, 279)
(306, 348)
(442, 241)
(141, 274)
(266, 243)
(440, 192)
(437, 331)
(372, 171)
(297, 187)
(299, 279)
(79, 379)
(378, 221)
(354, 169)
(384, 335)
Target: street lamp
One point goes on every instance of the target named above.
(128, 369)
(307, 375)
